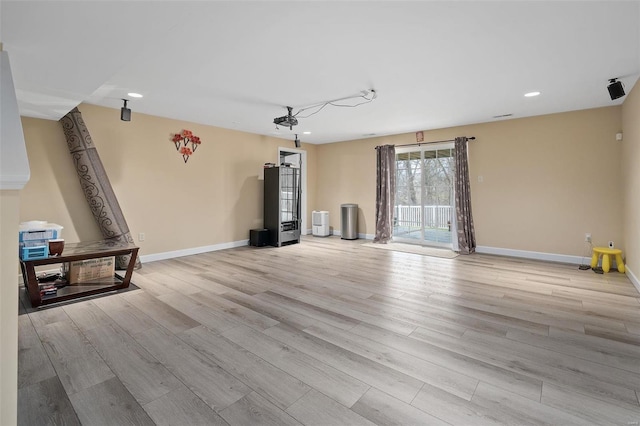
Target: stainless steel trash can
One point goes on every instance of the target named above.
(349, 223)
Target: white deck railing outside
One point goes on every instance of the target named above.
(434, 216)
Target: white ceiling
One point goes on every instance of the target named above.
(238, 64)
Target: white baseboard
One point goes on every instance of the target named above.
(632, 277)
(205, 249)
(187, 252)
(550, 257)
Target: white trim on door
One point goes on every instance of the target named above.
(423, 240)
(303, 160)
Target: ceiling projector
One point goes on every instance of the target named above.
(286, 120)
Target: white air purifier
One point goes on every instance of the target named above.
(320, 222)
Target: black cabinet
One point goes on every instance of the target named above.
(282, 205)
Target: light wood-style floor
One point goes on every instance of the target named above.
(327, 332)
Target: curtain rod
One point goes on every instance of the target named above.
(471, 138)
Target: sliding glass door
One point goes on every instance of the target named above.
(424, 209)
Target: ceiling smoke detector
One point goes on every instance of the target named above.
(286, 120)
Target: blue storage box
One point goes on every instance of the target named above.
(34, 252)
(33, 239)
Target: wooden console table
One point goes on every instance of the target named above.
(72, 253)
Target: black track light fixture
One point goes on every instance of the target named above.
(297, 141)
(125, 113)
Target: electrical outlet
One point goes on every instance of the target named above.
(587, 237)
(141, 236)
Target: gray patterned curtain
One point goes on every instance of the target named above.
(385, 192)
(464, 218)
(95, 184)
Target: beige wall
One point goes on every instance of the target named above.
(214, 198)
(347, 174)
(547, 180)
(9, 212)
(631, 180)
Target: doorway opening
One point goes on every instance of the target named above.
(297, 158)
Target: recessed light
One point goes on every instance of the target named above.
(531, 94)
(134, 95)
(306, 133)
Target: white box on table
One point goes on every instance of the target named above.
(82, 271)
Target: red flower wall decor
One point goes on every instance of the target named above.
(183, 140)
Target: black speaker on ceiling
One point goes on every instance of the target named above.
(615, 89)
(125, 113)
